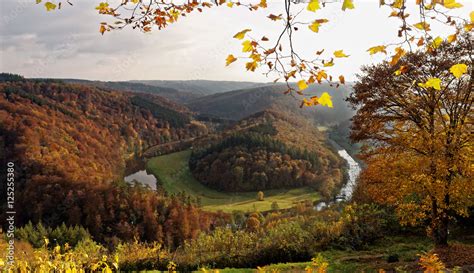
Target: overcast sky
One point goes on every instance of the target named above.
(67, 43)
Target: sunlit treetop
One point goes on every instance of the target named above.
(281, 56)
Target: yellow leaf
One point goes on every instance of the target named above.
(240, 35)
(340, 54)
(50, 6)
(400, 52)
(321, 75)
(305, 102)
(247, 46)
(330, 63)
(313, 5)
(230, 59)
(314, 26)
(472, 16)
(256, 57)
(451, 4)
(102, 7)
(434, 83)
(452, 38)
(325, 100)
(458, 70)
(302, 85)
(348, 4)
(174, 15)
(38, 1)
(230, 4)
(291, 74)
(469, 27)
(102, 29)
(422, 26)
(398, 4)
(316, 23)
(251, 66)
(377, 49)
(437, 42)
(401, 70)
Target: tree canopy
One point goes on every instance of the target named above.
(419, 124)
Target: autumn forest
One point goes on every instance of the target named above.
(291, 156)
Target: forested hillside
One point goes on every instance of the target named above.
(242, 103)
(201, 87)
(269, 154)
(70, 143)
(167, 92)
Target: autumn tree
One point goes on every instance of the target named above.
(260, 196)
(417, 118)
(275, 206)
(253, 223)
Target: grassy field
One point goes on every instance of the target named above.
(173, 171)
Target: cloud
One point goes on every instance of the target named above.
(67, 43)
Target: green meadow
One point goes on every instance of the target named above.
(173, 171)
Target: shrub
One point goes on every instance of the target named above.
(362, 224)
(260, 196)
(142, 256)
(61, 235)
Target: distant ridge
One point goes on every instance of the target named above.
(243, 103)
(166, 92)
(201, 87)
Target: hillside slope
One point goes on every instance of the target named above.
(165, 92)
(70, 143)
(274, 151)
(239, 104)
(202, 87)
(50, 121)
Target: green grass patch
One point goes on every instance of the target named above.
(173, 171)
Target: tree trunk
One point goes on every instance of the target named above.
(440, 232)
(439, 224)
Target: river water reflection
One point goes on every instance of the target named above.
(348, 188)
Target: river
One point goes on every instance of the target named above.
(346, 191)
(136, 171)
(143, 177)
